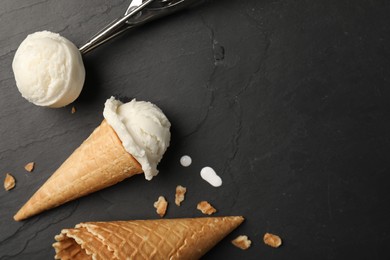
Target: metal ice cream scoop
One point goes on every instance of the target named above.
(138, 13)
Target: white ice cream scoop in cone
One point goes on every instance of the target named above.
(132, 139)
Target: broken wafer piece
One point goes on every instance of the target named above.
(9, 182)
(30, 166)
(206, 208)
(242, 242)
(161, 206)
(179, 196)
(272, 240)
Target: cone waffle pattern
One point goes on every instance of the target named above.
(100, 161)
(144, 239)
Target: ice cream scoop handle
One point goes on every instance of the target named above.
(112, 29)
(138, 13)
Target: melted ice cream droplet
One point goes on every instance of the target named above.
(185, 161)
(208, 174)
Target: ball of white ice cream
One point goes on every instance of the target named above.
(143, 129)
(48, 69)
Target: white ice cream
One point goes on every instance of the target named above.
(208, 174)
(48, 69)
(143, 129)
(185, 161)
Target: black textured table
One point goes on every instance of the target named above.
(287, 100)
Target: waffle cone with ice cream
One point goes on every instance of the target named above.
(132, 139)
(187, 239)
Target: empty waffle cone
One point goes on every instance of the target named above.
(100, 161)
(187, 239)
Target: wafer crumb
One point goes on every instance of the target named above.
(9, 182)
(29, 167)
(179, 196)
(73, 110)
(272, 240)
(242, 242)
(161, 206)
(206, 208)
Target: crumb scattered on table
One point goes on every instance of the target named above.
(161, 206)
(9, 182)
(179, 196)
(272, 240)
(242, 242)
(206, 208)
(73, 110)
(30, 166)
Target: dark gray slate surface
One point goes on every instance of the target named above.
(287, 100)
